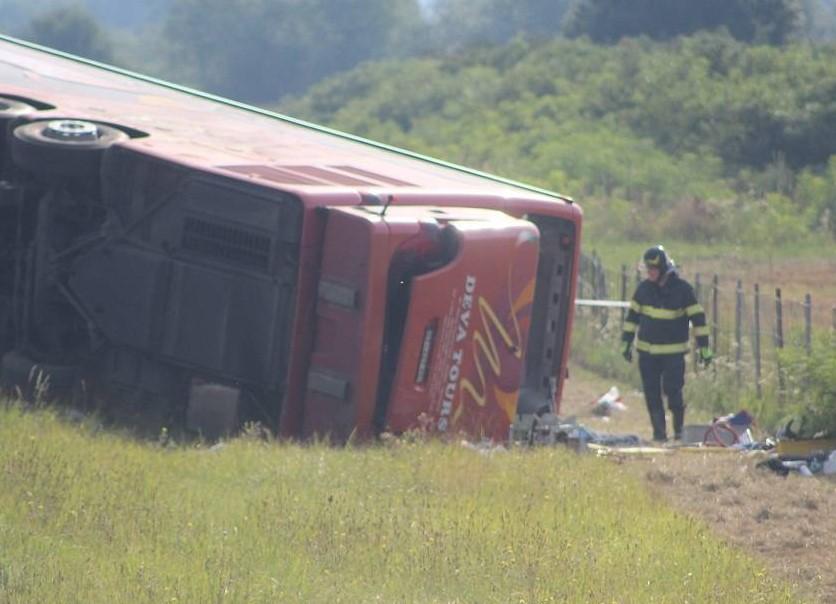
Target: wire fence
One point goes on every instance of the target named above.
(749, 324)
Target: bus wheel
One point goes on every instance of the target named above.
(63, 149)
(10, 109)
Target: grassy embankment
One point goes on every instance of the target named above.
(95, 517)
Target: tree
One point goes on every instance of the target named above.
(459, 24)
(261, 50)
(128, 13)
(820, 19)
(760, 21)
(16, 14)
(72, 29)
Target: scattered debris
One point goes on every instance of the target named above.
(730, 433)
(483, 447)
(804, 447)
(549, 429)
(604, 451)
(733, 430)
(805, 450)
(819, 463)
(810, 465)
(609, 402)
(829, 466)
(807, 429)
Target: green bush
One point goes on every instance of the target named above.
(770, 222)
(811, 384)
(816, 191)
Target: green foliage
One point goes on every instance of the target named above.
(15, 14)
(761, 21)
(816, 191)
(72, 29)
(128, 13)
(811, 384)
(263, 49)
(89, 517)
(819, 19)
(770, 222)
(458, 24)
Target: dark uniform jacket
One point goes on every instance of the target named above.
(661, 314)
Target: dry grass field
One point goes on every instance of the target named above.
(789, 523)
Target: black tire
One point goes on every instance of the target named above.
(34, 150)
(10, 109)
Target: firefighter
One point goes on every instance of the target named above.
(658, 319)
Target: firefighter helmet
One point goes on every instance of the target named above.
(656, 257)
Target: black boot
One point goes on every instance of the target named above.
(657, 420)
(678, 420)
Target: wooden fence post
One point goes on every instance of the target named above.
(756, 341)
(599, 289)
(714, 318)
(833, 322)
(808, 324)
(779, 319)
(602, 282)
(697, 288)
(779, 339)
(623, 293)
(738, 331)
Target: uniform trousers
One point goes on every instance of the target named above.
(663, 373)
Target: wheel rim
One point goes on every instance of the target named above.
(71, 131)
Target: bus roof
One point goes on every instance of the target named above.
(200, 129)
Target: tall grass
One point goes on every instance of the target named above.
(93, 517)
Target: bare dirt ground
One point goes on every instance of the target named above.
(788, 523)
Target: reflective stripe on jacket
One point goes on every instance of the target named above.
(660, 316)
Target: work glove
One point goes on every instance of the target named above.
(706, 356)
(627, 351)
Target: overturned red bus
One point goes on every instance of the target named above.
(161, 249)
